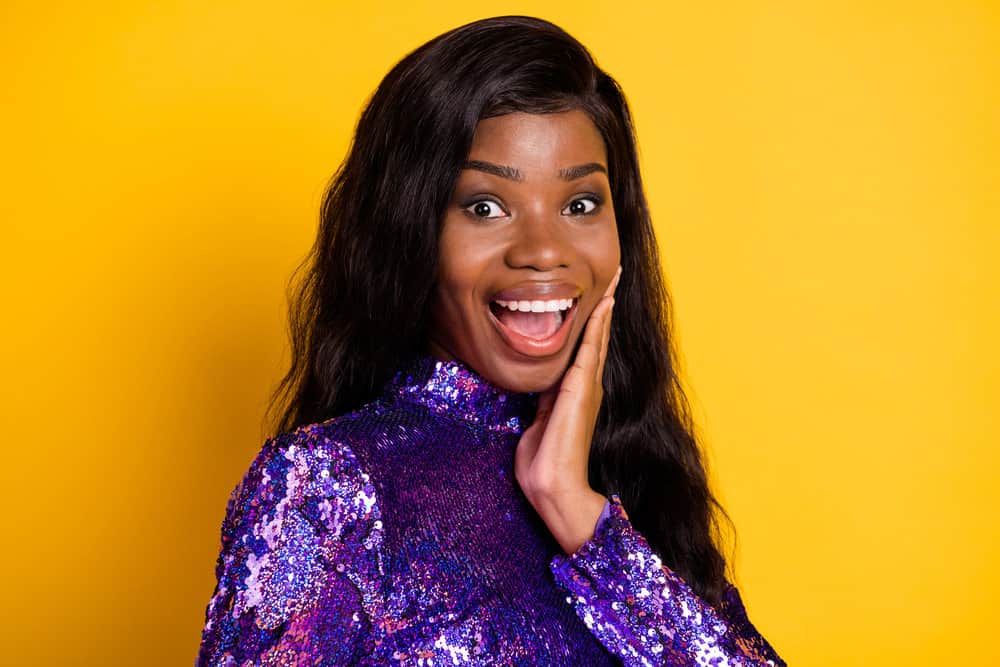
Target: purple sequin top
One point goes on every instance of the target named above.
(397, 535)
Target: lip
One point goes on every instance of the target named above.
(535, 347)
(538, 291)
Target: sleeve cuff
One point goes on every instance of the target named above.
(613, 512)
(605, 513)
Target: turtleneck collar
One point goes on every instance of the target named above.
(452, 388)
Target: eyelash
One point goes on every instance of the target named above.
(593, 198)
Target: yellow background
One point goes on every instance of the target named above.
(823, 177)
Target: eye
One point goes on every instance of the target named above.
(582, 206)
(485, 208)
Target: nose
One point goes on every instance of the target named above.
(541, 242)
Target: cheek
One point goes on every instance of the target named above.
(455, 289)
(465, 256)
(614, 253)
(603, 250)
(451, 296)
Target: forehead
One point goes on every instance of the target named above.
(539, 141)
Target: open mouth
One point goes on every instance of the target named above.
(534, 327)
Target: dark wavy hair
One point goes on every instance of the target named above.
(361, 307)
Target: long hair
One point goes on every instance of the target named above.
(361, 307)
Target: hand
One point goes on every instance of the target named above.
(552, 456)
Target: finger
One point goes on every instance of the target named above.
(613, 285)
(588, 356)
(606, 326)
(589, 352)
(605, 341)
(588, 364)
(587, 359)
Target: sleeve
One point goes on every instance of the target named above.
(644, 613)
(299, 559)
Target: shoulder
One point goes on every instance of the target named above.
(310, 469)
(303, 506)
(377, 429)
(302, 528)
(296, 467)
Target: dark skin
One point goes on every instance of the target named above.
(531, 216)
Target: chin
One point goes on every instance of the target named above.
(530, 376)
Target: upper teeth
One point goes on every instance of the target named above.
(537, 306)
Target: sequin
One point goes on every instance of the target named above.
(644, 612)
(397, 535)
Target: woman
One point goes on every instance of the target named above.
(478, 463)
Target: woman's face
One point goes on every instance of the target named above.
(528, 245)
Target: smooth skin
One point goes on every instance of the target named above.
(532, 213)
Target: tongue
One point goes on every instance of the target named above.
(532, 325)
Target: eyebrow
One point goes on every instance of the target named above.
(513, 174)
(501, 170)
(581, 170)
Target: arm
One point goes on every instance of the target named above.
(297, 553)
(643, 612)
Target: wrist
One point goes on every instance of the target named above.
(570, 515)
